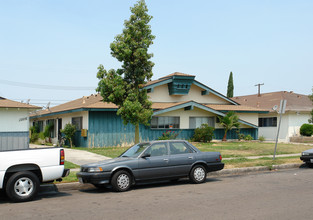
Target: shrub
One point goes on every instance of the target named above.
(203, 134)
(34, 133)
(241, 137)
(306, 130)
(47, 132)
(69, 132)
(34, 137)
(168, 135)
(248, 138)
(262, 138)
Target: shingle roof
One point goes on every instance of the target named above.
(92, 101)
(295, 102)
(164, 105)
(238, 108)
(7, 103)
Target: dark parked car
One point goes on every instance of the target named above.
(307, 157)
(152, 161)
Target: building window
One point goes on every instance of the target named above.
(268, 122)
(196, 122)
(165, 122)
(38, 125)
(78, 122)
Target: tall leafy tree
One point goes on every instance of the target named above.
(123, 86)
(229, 121)
(230, 86)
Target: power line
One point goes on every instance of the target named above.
(48, 87)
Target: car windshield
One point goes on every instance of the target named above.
(135, 150)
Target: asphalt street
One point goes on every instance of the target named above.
(283, 194)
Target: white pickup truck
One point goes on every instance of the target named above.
(22, 171)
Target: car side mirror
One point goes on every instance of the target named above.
(145, 155)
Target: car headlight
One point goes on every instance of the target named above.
(305, 153)
(94, 169)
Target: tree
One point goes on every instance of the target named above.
(230, 86)
(69, 132)
(123, 86)
(229, 121)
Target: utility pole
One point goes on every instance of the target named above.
(282, 109)
(259, 88)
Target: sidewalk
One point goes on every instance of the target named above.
(78, 157)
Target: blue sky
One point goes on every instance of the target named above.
(59, 44)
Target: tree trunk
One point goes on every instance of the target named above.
(136, 133)
(225, 136)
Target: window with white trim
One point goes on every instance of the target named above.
(165, 122)
(268, 122)
(196, 122)
(78, 122)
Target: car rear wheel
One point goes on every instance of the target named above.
(121, 181)
(22, 186)
(198, 174)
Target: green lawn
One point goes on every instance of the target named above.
(227, 149)
(245, 149)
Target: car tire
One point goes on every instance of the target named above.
(198, 174)
(121, 181)
(22, 186)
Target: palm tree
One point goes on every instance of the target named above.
(229, 121)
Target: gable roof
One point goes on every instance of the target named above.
(169, 78)
(7, 103)
(189, 105)
(295, 102)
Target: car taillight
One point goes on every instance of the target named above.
(62, 157)
(221, 157)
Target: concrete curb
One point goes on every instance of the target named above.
(226, 172)
(248, 170)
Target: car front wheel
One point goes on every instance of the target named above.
(198, 174)
(121, 181)
(22, 186)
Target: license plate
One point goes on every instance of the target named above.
(80, 180)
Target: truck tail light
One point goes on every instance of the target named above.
(62, 157)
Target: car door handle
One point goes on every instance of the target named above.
(165, 159)
(190, 158)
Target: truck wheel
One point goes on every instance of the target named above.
(121, 181)
(22, 186)
(198, 174)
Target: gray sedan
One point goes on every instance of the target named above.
(155, 160)
(307, 157)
